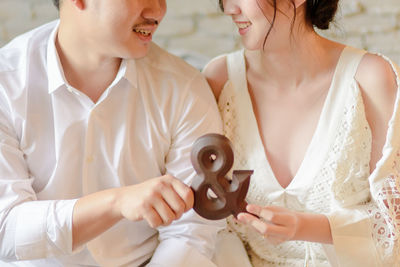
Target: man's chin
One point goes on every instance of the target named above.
(137, 53)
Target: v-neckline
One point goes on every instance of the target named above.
(257, 135)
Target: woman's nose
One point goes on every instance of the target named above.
(231, 7)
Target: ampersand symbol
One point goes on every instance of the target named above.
(216, 196)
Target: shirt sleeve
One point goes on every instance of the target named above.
(352, 237)
(29, 229)
(189, 241)
(373, 228)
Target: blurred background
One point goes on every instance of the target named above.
(197, 31)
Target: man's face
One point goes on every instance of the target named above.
(122, 28)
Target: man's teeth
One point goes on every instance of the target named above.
(243, 25)
(144, 32)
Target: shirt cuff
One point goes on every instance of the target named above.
(176, 253)
(44, 229)
(352, 238)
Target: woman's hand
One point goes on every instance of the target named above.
(278, 224)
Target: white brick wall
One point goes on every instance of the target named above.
(370, 24)
(197, 29)
(18, 16)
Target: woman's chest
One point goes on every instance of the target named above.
(286, 126)
(333, 163)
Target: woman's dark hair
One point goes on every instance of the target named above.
(57, 3)
(319, 13)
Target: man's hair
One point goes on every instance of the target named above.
(57, 3)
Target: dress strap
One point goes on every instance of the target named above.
(348, 64)
(237, 70)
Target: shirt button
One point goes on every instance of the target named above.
(89, 159)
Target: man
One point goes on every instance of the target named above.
(96, 122)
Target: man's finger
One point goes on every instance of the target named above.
(185, 192)
(174, 201)
(153, 218)
(164, 211)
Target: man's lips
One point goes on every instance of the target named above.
(145, 29)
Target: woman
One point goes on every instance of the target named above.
(318, 123)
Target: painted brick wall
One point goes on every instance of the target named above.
(197, 31)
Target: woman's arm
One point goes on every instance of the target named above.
(377, 82)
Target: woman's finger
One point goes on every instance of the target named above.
(275, 215)
(267, 229)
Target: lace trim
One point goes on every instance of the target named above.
(385, 212)
(351, 155)
(385, 219)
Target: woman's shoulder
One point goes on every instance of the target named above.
(376, 74)
(377, 77)
(223, 68)
(216, 73)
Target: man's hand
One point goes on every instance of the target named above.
(159, 201)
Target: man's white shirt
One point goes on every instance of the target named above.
(56, 145)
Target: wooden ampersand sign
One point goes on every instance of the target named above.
(212, 158)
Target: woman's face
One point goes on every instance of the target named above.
(254, 17)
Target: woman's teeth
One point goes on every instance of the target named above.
(243, 25)
(144, 32)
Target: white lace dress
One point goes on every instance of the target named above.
(333, 178)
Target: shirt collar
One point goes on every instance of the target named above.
(56, 77)
(55, 74)
(131, 72)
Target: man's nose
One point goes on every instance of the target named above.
(155, 10)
